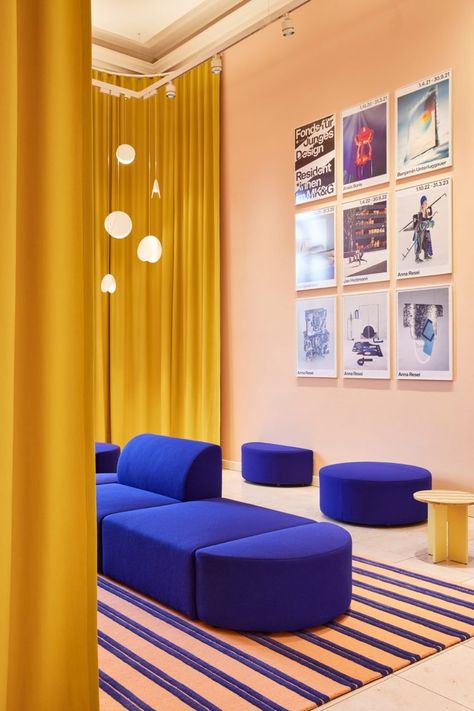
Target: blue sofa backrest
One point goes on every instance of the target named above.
(180, 468)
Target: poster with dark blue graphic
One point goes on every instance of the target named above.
(424, 334)
(364, 144)
(315, 157)
(316, 337)
(423, 123)
(365, 332)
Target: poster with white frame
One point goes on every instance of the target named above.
(424, 230)
(316, 337)
(365, 333)
(315, 257)
(423, 125)
(365, 239)
(424, 333)
(315, 160)
(364, 144)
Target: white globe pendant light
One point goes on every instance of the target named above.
(125, 154)
(108, 284)
(149, 249)
(118, 224)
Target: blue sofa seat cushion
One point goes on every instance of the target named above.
(153, 550)
(117, 497)
(373, 493)
(106, 478)
(181, 468)
(106, 456)
(283, 580)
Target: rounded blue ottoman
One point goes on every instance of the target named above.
(278, 581)
(106, 457)
(277, 464)
(373, 493)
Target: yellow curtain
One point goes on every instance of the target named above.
(48, 648)
(157, 338)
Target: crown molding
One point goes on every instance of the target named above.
(189, 41)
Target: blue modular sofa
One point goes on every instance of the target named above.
(164, 530)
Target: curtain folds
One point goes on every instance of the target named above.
(48, 647)
(157, 338)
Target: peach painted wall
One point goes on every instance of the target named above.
(343, 53)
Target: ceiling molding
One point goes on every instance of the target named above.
(189, 41)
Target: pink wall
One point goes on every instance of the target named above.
(343, 52)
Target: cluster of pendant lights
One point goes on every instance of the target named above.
(118, 224)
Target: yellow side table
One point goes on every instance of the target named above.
(447, 523)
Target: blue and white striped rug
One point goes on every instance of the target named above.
(152, 658)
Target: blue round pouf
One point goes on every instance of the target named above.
(373, 493)
(106, 457)
(276, 464)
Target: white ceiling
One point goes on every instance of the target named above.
(139, 20)
(169, 37)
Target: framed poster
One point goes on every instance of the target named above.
(424, 235)
(316, 337)
(424, 334)
(365, 239)
(366, 335)
(364, 144)
(423, 139)
(315, 159)
(315, 248)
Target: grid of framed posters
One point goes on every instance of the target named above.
(417, 242)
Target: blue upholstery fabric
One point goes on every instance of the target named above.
(106, 457)
(180, 468)
(284, 580)
(373, 493)
(116, 497)
(264, 463)
(106, 478)
(153, 550)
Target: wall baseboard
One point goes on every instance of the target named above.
(233, 466)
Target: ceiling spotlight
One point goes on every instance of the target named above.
(287, 26)
(170, 90)
(216, 64)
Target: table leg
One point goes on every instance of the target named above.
(437, 533)
(457, 533)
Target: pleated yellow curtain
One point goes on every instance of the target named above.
(48, 647)
(158, 337)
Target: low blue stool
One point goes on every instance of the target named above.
(373, 493)
(106, 457)
(276, 464)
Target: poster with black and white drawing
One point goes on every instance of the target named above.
(364, 144)
(315, 158)
(423, 121)
(424, 241)
(366, 335)
(315, 248)
(424, 334)
(365, 239)
(316, 337)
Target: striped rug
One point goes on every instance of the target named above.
(152, 658)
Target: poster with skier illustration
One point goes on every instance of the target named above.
(365, 335)
(424, 236)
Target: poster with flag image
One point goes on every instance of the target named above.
(315, 160)
(364, 144)
(423, 121)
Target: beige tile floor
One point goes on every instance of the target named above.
(444, 682)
